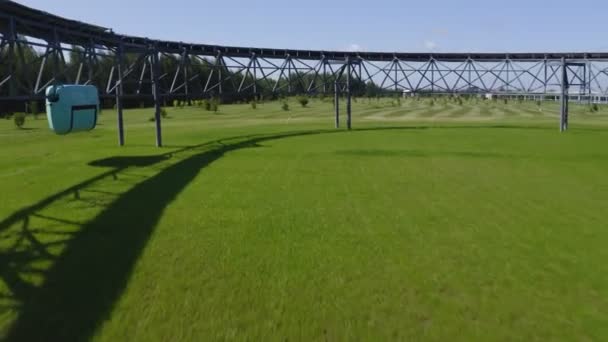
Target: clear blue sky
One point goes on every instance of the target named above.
(380, 25)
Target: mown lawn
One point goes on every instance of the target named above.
(474, 222)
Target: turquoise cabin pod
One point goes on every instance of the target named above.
(72, 108)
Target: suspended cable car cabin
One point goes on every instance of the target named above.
(72, 108)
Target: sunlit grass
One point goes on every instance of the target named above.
(457, 222)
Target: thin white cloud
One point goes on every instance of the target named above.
(355, 48)
(430, 45)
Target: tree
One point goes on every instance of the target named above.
(303, 100)
(19, 119)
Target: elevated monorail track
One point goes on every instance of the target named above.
(130, 68)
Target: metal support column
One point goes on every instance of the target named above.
(119, 93)
(545, 80)
(396, 75)
(324, 76)
(563, 125)
(337, 102)
(288, 74)
(186, 63)
(348, 94)
(255, 76)
(12, 42)
(220, 60)
(588, 78)
(156, 92)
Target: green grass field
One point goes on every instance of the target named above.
(478, 222)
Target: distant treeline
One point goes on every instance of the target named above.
(27, 60)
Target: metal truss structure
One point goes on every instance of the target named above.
(127, 68)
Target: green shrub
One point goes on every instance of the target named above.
(285, 106)
(214, 105)
(431, 103)
(254, 105)
(152, 119)
(303, 100)
(206, 104)
(34, 108)
(506, 101)
(594, 107)
(19, 119)
(163, 113)
(175, 103)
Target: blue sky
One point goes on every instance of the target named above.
(381, 25)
